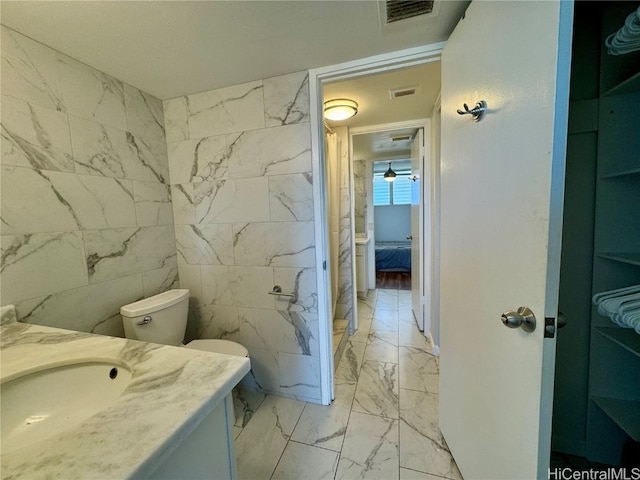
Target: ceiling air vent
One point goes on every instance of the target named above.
(401, 138)
(402, 92)
(401, 9)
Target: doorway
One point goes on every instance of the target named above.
(366, 70)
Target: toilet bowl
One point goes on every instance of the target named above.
(162, 319)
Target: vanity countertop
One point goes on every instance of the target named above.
(172, 390)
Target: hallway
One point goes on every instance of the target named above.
(383, 423)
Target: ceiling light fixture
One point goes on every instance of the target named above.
(389, 175)
(340, 109)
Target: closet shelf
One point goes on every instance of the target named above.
(629, 85)
(627, 338)
(621, 173)
(632, 258)
(625, 413)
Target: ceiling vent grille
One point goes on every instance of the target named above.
(401, 138)
(402, 9)
(402, 92)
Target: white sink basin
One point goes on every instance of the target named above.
(39, 404)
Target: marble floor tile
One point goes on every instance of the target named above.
(418, 370)
(365, 309)
(387, 300)
(407, 474)
(422, 446)
(325, 425)
(245, 404)
(370, 448)
(351, 361)
(261, 443)
(385, 320)
(410, 336)
(382, 346)
(377, 390)
(304, 462)
(362, 333)
(405, 315)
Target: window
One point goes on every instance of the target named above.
(397, 192)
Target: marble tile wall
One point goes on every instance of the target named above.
(344, 304)
(86, 216)
(241, 185)
(360, 195)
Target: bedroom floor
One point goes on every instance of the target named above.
(393, 280)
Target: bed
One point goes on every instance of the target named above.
(393, 256)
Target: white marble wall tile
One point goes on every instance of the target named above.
(197, 160)
(278, 244)
(291, 197)
(299, 376)
(377, 392)
(30, 203)
(324, 426)
(85, 309)
(422, 446)
(152, 203)
(370, 448)
(217, 285)
(40, 264)
(176, 123)
(204, 244)
(149, 159)
(113, 253)
(286, 99)
(99, 149)
(225, 110)
(29, 70)
(304, 462)
(190, 279)
(279, 331)
(271, 151)
(218, 321)
(251, 286)
(265, 437)
(183, 203)
(96, 202)
(144, 113)
(35, 136)
(160, 280)
(8, 314)
(241, 200)
(111, 327)
(302, 283)
(89, 93)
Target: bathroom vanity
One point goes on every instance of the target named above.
(167, 413)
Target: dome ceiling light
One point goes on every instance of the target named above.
(340, 109)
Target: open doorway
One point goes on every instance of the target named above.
(393, 111)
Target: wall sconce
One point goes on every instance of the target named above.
(340, 109)
(389, 175)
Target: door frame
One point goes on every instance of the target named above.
(317, 77)
(427, 181)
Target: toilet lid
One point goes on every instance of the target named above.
(219, 346)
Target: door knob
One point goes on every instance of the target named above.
(409, 237)
(523, 318)
(562, 320)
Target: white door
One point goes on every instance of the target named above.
(417, 273)
(502, 182)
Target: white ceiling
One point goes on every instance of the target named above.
(173, 48)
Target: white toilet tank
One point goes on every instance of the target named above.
(158, 319)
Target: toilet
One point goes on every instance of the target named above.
(163, 319)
